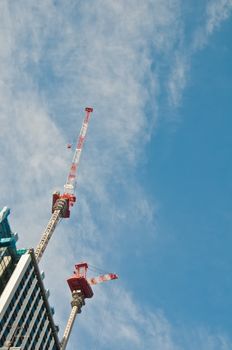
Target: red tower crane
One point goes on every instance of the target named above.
(80, 287)
(62, 202)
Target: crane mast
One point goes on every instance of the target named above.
(63, 202)
(76, 303)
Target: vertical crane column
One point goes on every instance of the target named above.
(77, 303)
(54, 220)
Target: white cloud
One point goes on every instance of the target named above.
(115, 320)
(216, 12)
(178, 78)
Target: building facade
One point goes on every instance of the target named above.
(26, 320)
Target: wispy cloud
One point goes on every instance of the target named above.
(115, 320)
(215, 13)
(178, 78)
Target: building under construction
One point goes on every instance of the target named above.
(26, 318)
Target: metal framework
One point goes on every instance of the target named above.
(62, 203)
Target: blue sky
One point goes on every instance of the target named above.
(154, 192)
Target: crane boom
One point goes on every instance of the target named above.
(69, 187)
(62, 202)
(102, 278)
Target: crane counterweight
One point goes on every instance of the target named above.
(80, 281)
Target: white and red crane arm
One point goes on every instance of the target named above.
(69, 187)
(102, 278)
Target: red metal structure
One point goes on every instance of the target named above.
(79, 280)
